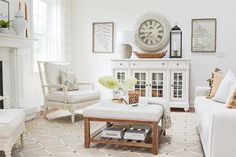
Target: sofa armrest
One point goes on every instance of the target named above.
(222, 133)
(202, 91)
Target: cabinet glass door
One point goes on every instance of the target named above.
(120, 75)
(177, 85)
(141, 84)
(158, 84)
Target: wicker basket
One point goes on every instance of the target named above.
(150, 55)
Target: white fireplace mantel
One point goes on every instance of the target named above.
(13, 41)
(14, 44)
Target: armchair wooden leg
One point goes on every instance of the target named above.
(73, 117)
(22, 139)
(7, 153)
(45, 112)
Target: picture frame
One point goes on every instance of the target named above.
(103, 37)
(4, 10)
(204, 35)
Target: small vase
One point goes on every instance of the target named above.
(117, 94)
(19, 24)
(4, 30)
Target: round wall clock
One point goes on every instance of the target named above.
(152, 32)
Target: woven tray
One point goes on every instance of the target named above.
(150, 55)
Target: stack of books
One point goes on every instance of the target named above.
(134, 134)
(113, 133)
(122, 131)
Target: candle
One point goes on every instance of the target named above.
(175, 47)
(19, 5)
(26, 12)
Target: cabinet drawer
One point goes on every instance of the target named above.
(148, 64)
(120, 64)
(178, 64)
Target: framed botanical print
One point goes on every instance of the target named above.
(204, 35)
(103, 37)
(4, 10)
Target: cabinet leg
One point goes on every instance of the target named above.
(186, 109)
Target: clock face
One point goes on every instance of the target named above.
(151, 32)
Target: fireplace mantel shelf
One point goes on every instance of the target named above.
(13, 41)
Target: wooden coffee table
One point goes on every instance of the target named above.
(109, 112)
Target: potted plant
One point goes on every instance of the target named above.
(119, 88)
(4, 26)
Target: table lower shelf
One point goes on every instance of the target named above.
(96, 137)
(151, 140)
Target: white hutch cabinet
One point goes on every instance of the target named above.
(166, 79)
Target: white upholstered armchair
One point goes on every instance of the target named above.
(58, 96)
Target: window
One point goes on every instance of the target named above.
(49, 28)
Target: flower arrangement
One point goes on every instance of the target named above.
(112, 83)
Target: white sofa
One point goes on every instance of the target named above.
(216, 125)
(12, 126)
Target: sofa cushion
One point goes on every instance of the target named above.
(10, 121)
(231, 101)
(73, 96)
(52, 72)
(224, 88)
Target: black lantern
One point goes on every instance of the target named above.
(175, 42)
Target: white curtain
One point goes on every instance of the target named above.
(52, 29)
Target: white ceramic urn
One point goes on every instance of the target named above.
(19, 24)
(125, 51)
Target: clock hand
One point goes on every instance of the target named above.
(148, 34)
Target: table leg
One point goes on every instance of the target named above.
(155, 138)
(86, 132)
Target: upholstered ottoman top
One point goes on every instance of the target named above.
(108, 109)
(10, 121)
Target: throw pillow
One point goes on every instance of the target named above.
(224, 88)
(69, 79)
(216, 79)
(231, 101)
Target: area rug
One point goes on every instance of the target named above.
(60, 138)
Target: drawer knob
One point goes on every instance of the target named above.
(177, 64)
(120, 64)
(134, 64)
(163, 63)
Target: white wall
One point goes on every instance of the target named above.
(90, 66)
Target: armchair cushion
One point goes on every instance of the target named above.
(52, 72)
(73, 97)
